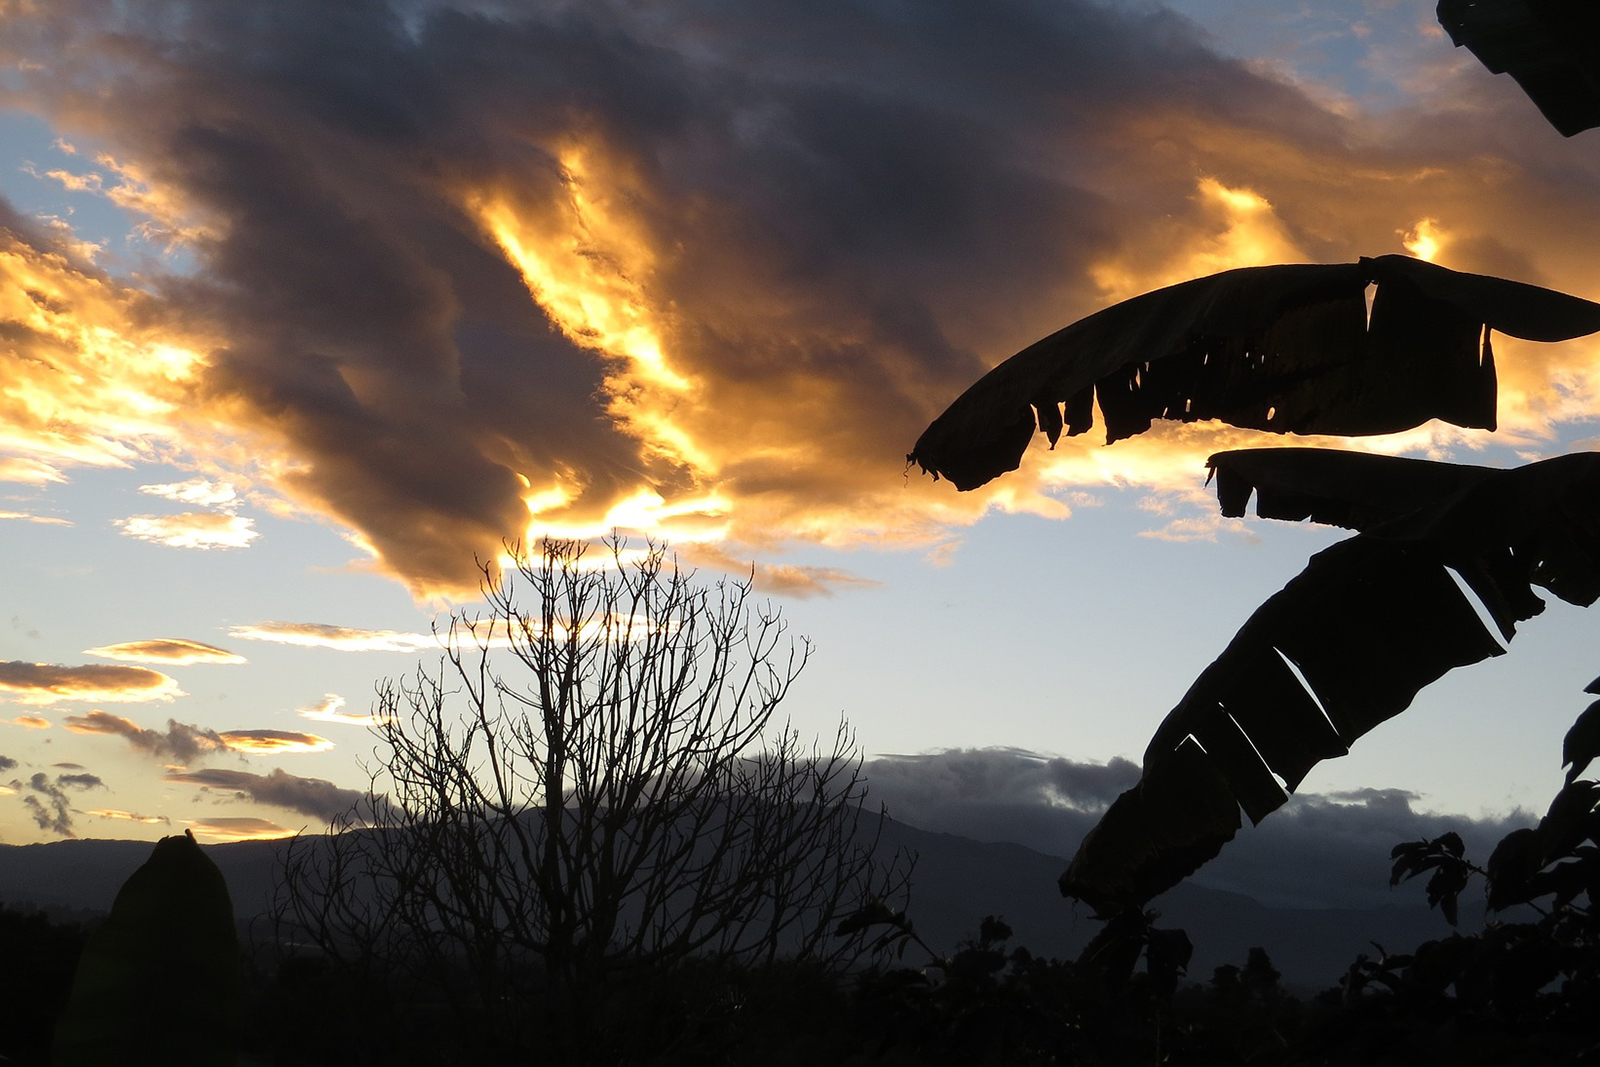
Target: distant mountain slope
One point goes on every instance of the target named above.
(957, 882)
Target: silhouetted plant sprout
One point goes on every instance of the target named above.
(588, 805)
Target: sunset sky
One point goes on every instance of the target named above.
(304, 306)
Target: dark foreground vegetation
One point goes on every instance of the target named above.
(1514, 992)
(511, 897)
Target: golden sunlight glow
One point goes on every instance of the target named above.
(546, 499)
(1240, 229)
(591, 562)
(693, 519)
(84, 381)
(28, 471)
(587, 262)
(1423, 239)
(584, 291)
(238, 829)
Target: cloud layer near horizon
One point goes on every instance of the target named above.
(1318, 851)
(704, 270)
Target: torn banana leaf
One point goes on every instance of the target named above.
(1287, 348)
(1355, 490)
(1344, 646)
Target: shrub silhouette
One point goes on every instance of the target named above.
(167, 951)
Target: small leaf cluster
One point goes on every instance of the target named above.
(987, 1004)
(1524, 988)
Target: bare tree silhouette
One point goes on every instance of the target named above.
(589, 800)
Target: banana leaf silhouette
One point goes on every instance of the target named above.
(1349, 642)
(1287, 348)
(1345, 645)
(1552, 49)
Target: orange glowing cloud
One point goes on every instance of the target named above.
(92, 372)
(187, 743)
(46, 683)
(28, 471)
(1424, 239)
(1238, 227)
(30, 722)
(238, 828)
(588, 263)
(757, 460)
(274, 742)
(174, 650)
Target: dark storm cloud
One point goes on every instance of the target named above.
(1317, 851)
(820, 220)
(837, 212)
(7, 763)
(79, 781)
(308, 796)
